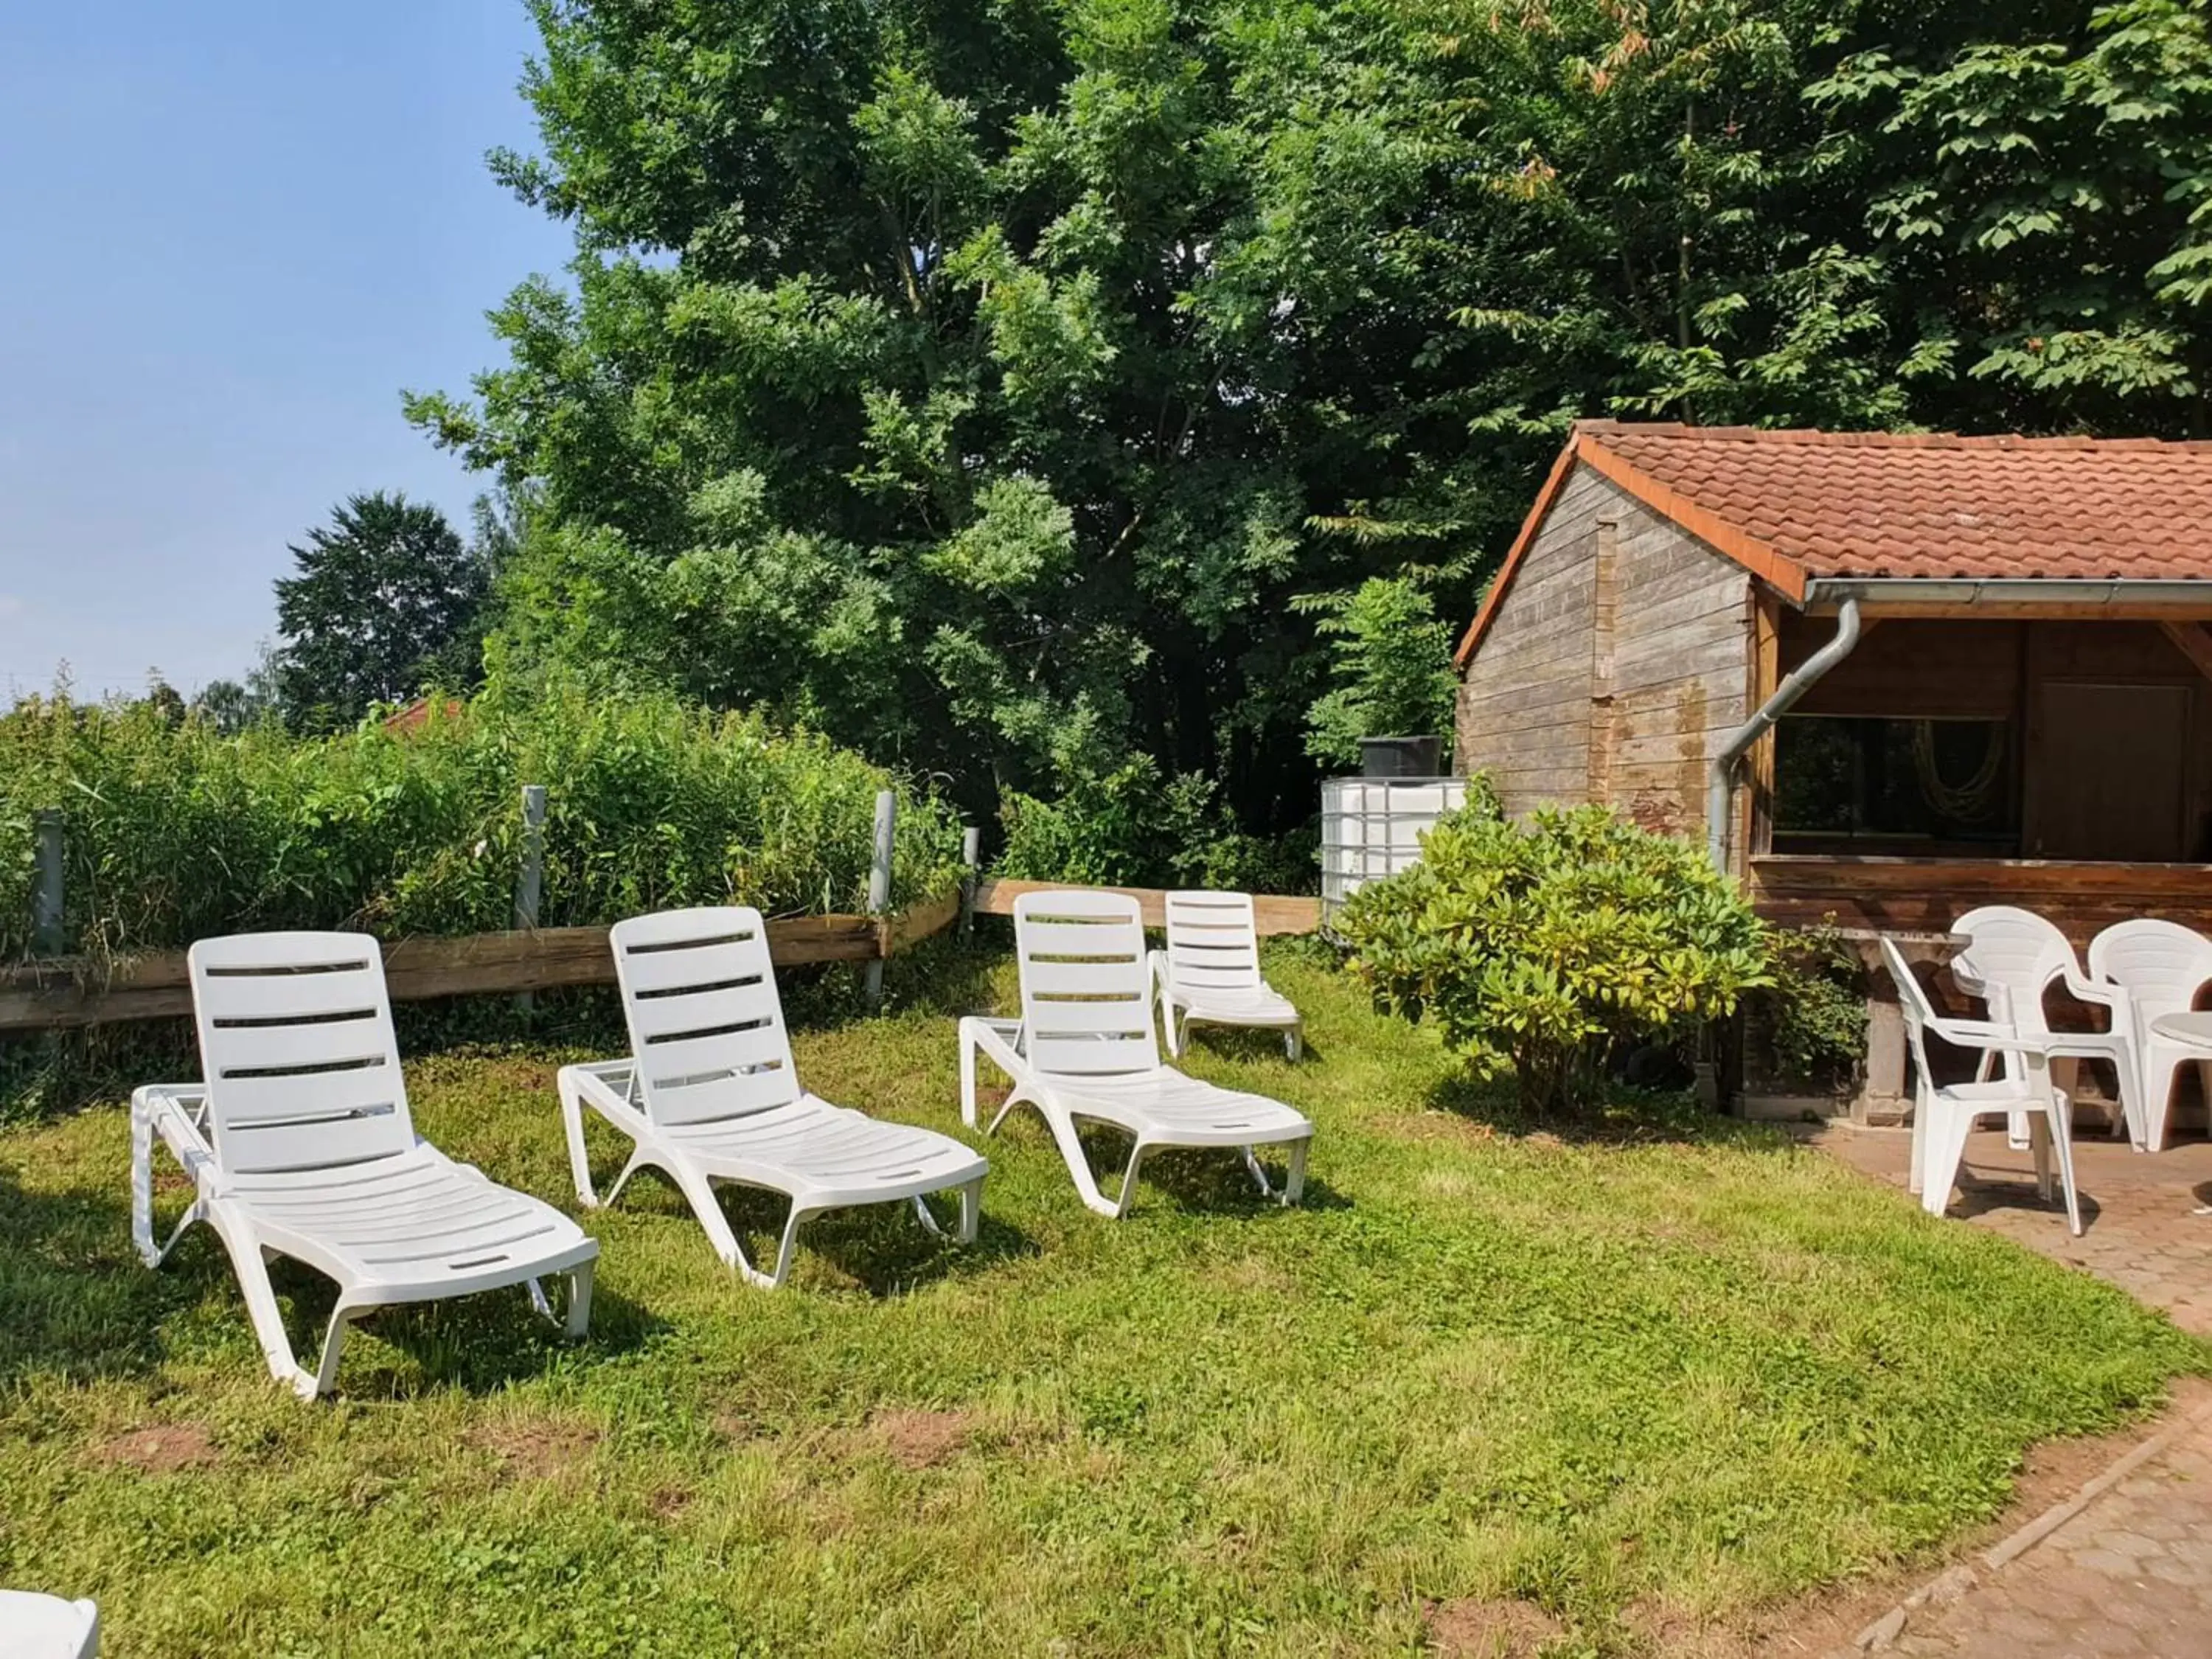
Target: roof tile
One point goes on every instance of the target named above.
(1937, 504)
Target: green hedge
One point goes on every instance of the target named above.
(175, 832)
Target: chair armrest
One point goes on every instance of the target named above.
(2102, 993)
(1984, 1033)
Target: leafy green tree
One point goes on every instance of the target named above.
(385, 602)
(984, 382)
(1390, 672)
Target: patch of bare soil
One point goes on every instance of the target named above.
(920, 1438)
(668, 1503)
(1479, 1627)
(164, 1449)
(2052, 1471)
(539, 1451)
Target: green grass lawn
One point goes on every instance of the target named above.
(1683, 1373)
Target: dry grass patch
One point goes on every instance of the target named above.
(538, 1449)
(918, 1439)
(1485, 1627)
(161, 1448)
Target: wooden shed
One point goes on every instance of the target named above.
(1884, 676)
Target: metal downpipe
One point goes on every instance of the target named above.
(1720, 785)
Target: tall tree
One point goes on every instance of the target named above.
(985, 380)
(385, 602)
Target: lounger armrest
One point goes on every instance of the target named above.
(996, 1037)
(177, 1112)
(606, 1085)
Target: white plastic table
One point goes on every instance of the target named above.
(2195, 1030)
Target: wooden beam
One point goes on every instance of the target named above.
(1271, 913)
(66, 991)
(2193, 642)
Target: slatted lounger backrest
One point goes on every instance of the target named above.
(1086, 1007)
(295, 1035)
(706, 1025)
(1212, 943)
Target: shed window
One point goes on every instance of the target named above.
(1868, 778)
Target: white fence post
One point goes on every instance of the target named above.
(971, 854)
(48, 935)
(529, 876)
(879, 884)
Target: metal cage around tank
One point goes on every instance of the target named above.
(1372, 827)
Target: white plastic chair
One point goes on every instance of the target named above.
(712, 1093)
(1943, 1116)
(1209, 975)
(2011, 960)
(2158, 967)
(299, 1144)
(35, 1626)
(1085, 1051)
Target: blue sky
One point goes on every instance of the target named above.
(230, 233)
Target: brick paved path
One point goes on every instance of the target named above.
(2130, 1572)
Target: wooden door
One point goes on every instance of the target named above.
(2108, 772)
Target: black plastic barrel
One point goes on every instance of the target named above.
(1399, 757)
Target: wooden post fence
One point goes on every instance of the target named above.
(971, 856)
(879, 884)
(530, 876)
(49, 935)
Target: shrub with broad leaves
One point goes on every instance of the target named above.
(1547, 947)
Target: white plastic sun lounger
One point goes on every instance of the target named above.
(35, 1626)
(1085, 1051)
(299, 1144)
(712, 1093)
(1209, 975)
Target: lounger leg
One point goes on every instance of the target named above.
(928, 1221)
(1294, 1181)
(141, 1183)
(787, 1248)
(326, 1374)
(2040, 1128)
(968, 1080)
(1129, 1180)
(580, 1299)
(1294, 1043)
(971, 1210)
(579, 1167)
(261, 1307)
(637, 1161)
(700, 1192)
(543, 1308)
(1168, 1027)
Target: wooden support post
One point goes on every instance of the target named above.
(529, 876)
(879, 884)
(49, 937)
(971, 854)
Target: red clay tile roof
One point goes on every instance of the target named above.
(1792, 506)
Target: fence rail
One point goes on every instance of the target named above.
(1271, 913)
(64, 991)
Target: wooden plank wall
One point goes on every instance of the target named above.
(1925, 895)
(1618, 660)
(1524, 702)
